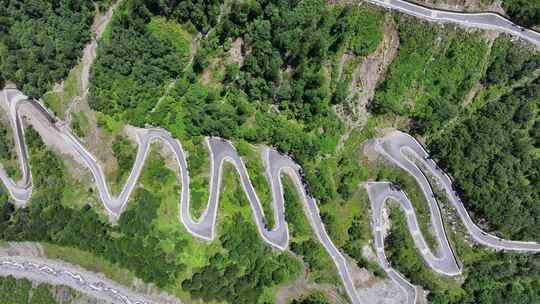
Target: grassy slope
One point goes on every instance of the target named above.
(416, 196)
(322, 268)
(8, 155)
(20, 291)
(59, 101)
(257, 173)
(89, 261)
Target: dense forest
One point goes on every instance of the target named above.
(525, 12)
(490, 277)
(21, 291)
(314, 298)
(136, 243)
(488, 142)
(493, 157)
(167, 64)
(430, 77)
(40, 41)
(262, 83)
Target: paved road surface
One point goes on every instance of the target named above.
(220, 151)
(488, 20)
(407, 153)
(397, 147)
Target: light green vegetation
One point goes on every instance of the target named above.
(196, 254)
(59, 101)
(146, 60)
(42, 295)
(313, 298)
(79, 192)
(171, 32)
(242, 255)
(80, 124)
(163, 183)
(198, 159)
(432, 74)
(404, 256)
(111, 124)
(360, 30)
(8, 155)
(88, 261)
(303, 240)
(280, 96)
(415, 195)
(511, 64)
(360, 35)
(491, 151)
(125, 152)
(257, 173)
(148, 238)
(20, 291)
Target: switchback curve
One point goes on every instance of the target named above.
(406, 152)
(220, 151)
(399, 148)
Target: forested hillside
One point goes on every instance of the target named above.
(487, 141)
(526, 12)
(40, 41)
(493, 156)
(274, 72)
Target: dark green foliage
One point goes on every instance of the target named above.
(311, 251)
(304, 242)
(203, 14)
(525, 12)
(358, 232)
(6, 144)
(415, 194)
(510, 61)
(138, 249)
(132, 65)
(8, 155)
(433, 72)
(492, 159)
(13, 291)
(500, 278)
(124, 152)
(134, 243)
(320, 180)
(314, 298)
(492, 277)
(240, 274)
(42, 295)
(305, 126)
(47, 220)
(40, 41)
(403, 255)
(17, 291)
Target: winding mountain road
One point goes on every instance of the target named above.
(484, 20)
(399, 148)
(407, 153)
(220, 151)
